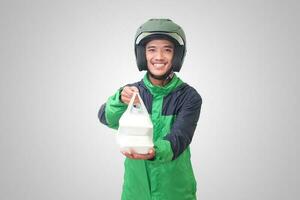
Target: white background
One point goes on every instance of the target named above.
(60, 60)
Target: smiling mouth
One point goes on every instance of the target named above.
(158, 65)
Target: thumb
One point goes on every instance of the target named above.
(151, 151)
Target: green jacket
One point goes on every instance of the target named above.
(174, 111)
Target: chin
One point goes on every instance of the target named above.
(158, 74)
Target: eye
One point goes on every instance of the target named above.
(169, 50)
(151, 50)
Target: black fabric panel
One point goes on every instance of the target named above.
(187, 116)
(101, 115)
(174, 101)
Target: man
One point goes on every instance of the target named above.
(165, 173)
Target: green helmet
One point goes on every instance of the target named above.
(160, 29)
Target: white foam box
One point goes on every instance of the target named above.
(137, 144)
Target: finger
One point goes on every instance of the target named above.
(151, 151)
(125, 100)
(137, 156)
(134, 89)
(131, 90)
(127, 154)
(141, 156)
(126, 92)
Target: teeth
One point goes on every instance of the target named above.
(159, 65)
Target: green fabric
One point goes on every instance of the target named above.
(162, 90)
(161, 178)
(114, 109)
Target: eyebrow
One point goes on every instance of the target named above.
(166, 46)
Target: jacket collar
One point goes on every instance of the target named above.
(162, 90)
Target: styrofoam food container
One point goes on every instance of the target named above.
(137, 144)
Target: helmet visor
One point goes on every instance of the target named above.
(175, 36)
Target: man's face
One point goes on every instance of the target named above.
(159, 54)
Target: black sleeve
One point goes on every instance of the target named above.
(185, 124)
(101, 115)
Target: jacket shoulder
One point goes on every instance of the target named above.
(183, 96)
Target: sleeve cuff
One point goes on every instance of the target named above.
(114, 110)
(163, 151)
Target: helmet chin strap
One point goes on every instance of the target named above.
(162, 77)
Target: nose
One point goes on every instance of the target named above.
(159, 55)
